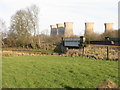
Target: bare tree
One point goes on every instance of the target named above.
(20, 26)
(33, 12)
(3, 31)
(3, 28)
(24, 23)
(34, 18)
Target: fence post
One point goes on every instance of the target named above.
(107, 53)
(83, 50)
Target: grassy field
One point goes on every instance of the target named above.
(57, 72)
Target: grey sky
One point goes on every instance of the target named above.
(60, 11)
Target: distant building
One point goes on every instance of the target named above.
(108, 27)
(65, 29)
(89, 28)
(53, 30)
(68, 29)
(60, 29)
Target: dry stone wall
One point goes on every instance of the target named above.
(97, 52)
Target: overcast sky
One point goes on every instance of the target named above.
(60, 11)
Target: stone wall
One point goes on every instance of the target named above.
(97, 52)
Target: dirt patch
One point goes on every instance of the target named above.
(107, 84)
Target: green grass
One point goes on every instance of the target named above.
(57, 72)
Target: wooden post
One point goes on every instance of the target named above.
(62, 41)
(107, 53)
(83, 50)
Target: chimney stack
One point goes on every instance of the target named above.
(89, 28)
(61, 29)
(108, 27)
(53, 30)
(68, 29)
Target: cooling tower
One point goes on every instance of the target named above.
(108, 27)
(89, 28)
(53, 30)
(68, 29)
(61, 29)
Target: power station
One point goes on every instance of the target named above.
(89, 28)
(66, 29)
(53, 30)
(60, 29)
(108, 27)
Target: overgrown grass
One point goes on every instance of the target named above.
(28, 50)
(57, 72)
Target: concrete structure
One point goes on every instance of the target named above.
(89, 28)
(68, 29)
(53, 30)
(71, 42)
(108, 27)
(61, 29)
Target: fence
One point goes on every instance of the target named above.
(98, 51)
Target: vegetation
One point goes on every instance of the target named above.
(23, 29)
(101, 37)
(23, 67)
(44, 41)
(57, 72)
